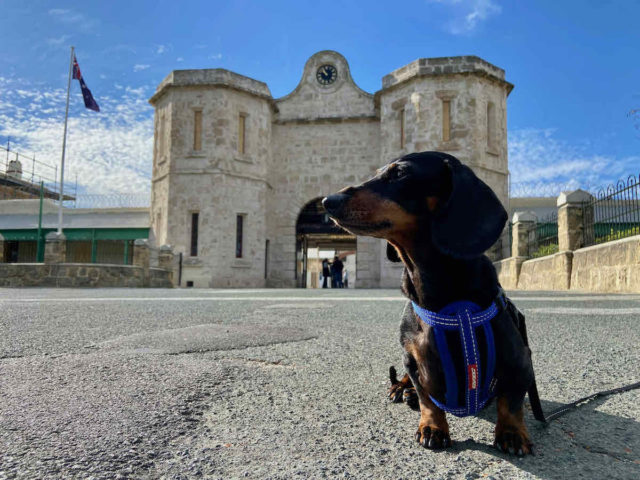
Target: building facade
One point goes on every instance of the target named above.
(234, 168)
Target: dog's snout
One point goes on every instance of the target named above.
(334, 203)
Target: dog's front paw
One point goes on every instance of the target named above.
(513, 441)
(432, 437)
(410, 397)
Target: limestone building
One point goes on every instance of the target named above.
(238, 174)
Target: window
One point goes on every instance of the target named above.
(491, 124)
(242, 122)
(402, 128)
(239, 234)
(160, 140)
(194, 234)
(197, 130)
(266, 258)
(446, 120)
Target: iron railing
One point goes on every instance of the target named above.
(613, 213)
(543, 239)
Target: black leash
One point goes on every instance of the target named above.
(534, 398)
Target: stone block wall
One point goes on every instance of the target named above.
(68, 275)
(508, 271)
(609, 267)
(552, 272)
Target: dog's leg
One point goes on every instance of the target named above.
(433, 430)
(511, 433)
(398, 387)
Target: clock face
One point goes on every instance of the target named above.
(326, 74)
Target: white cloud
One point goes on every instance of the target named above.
(467, 14)
(161, 49)
(215, 56)
(139, 67)
(542, 164)
(56, 42)
(110, 151)
(179, 59)
(71, 17)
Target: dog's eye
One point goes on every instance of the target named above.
(397, 173)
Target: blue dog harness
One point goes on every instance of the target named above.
(469, 322)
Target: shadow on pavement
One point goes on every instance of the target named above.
(583, 443)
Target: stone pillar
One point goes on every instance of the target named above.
(55, 248)
(166, 260)
(2, 256)
(523, 225)
(141, 258)
(165, 257)
(573, 218)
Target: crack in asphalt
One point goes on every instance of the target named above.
(208, 350)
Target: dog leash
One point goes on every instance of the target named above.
(534, 398)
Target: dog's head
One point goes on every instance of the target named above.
(428, 194)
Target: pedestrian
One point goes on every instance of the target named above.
(336, 267)
(325, 272)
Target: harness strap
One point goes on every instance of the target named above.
(463, 317)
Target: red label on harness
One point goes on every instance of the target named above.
(472, 375)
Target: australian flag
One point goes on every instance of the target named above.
(89, 101)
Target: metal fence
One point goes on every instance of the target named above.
(22, 177)
(543, 239)
(613, 213)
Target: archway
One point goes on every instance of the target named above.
(317, 237)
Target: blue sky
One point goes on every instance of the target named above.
(575, 67)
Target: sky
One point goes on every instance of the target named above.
(574, 64)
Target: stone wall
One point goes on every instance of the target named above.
(79, 275)
(508, 271)
(552, 272)
(609, 267)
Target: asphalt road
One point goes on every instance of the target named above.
(286, 384)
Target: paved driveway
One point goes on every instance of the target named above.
(286, 384)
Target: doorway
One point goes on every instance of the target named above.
(317, 238)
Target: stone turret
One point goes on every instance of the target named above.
(456, 105)
(211, 154)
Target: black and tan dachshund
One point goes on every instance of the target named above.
(439, 218)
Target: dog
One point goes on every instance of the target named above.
(439, 218)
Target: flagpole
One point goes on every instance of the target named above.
(64, 144)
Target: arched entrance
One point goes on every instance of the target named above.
(317, 237)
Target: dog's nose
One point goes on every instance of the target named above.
(334, 203)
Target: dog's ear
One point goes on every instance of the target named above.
(392, 254)
(471, 220)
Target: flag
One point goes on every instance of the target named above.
(89, 101)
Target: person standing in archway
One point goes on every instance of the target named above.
(336, 268)
(325, 272)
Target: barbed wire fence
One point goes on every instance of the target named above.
(24, 177)
(111, 200)
(547, 189)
